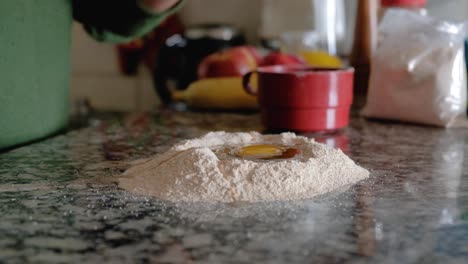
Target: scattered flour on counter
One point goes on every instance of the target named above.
(201, 170)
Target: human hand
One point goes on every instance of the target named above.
(157, 6)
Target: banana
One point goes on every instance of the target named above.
(218, 93)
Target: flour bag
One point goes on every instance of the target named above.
(418, 73)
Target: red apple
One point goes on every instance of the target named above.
(228, 63)
(281, 58)
(256, 53)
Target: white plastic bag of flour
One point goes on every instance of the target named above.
(418, 73)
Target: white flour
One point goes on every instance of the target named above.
(418, 71)
(201, 170)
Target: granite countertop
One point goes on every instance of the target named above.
(59, 201)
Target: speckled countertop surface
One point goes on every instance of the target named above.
(58, 202)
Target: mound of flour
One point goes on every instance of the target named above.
(199, 170)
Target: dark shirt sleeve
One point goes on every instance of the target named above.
(117, 20)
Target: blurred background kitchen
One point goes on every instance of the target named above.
(97, 77)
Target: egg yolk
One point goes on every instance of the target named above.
(260, 151)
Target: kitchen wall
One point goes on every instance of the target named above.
(95, 74)
(449, 9)
(96, 77)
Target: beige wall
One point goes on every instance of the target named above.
(449, 9)
(95, 74)
(243, 13)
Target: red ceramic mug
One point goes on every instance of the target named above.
(303, 99)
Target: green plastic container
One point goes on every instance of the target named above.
(34, 69)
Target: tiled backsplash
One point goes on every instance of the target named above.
(95, 71)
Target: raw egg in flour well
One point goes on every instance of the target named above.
(262, 151)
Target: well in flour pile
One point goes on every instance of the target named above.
(201, 170)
